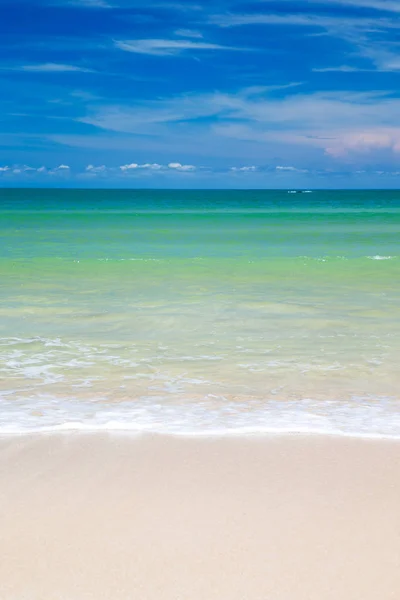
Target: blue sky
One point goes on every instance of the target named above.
(190, 93)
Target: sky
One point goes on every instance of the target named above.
(195, 93)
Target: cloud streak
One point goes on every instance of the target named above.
(167, 47)
(245, 169)
(90, 3)
(388, 6)
(370, 37)
(313, 20)
(52, 68)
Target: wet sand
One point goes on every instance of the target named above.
(280, 517)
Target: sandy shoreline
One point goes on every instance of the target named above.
(280, 517)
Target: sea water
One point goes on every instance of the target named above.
(200, 312)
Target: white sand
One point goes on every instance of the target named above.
(280, 518)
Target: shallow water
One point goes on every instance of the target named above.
(197, 312)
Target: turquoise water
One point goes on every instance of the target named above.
(200, 312)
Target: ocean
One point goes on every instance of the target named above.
(200, 312)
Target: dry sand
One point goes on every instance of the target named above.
(280, 518)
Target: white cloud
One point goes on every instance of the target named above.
(147, 117)
(337, 122)
(324, 127)
(189, 33)
(93, 169)
(362, 142)
(91, 3)
(158, 47)
(129, 167)
(321, 119)
(135, 166)
(342, 68)
(179, 167)
(382, 5)
(147, 168)
(328, 22)
(62, 168)
(52, 68)
(382, 57)
(184, 5)
(250, 168)
(152, 166)
(173, 166)
(290, 169)
(22, 169)
(358, 31)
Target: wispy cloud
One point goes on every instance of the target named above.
(245, 169)
(188, 33)
(162, 174)
(52, 68)
(390, 63)
(384, 57)
(380, 5)
(174, 166)
(184, 5)
(135, 166)
(180, 167)
(290, 169)
(370, 37)
(95, 170)
(336, 123)
(26, 170)
(90, 3)
(167, 47)
(318, 20)
(365, 142)
(341, 69)
(22, 169)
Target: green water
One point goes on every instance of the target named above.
(200, 311)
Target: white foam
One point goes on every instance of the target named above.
(378, 257)
(363, 417)
(75, 386)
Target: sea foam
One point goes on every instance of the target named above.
(363, 417)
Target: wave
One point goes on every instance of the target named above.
(362, 417)
(378, 257)
(243, 259)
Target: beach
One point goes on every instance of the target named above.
(113, 516)
(199, 395)
(200, 300)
